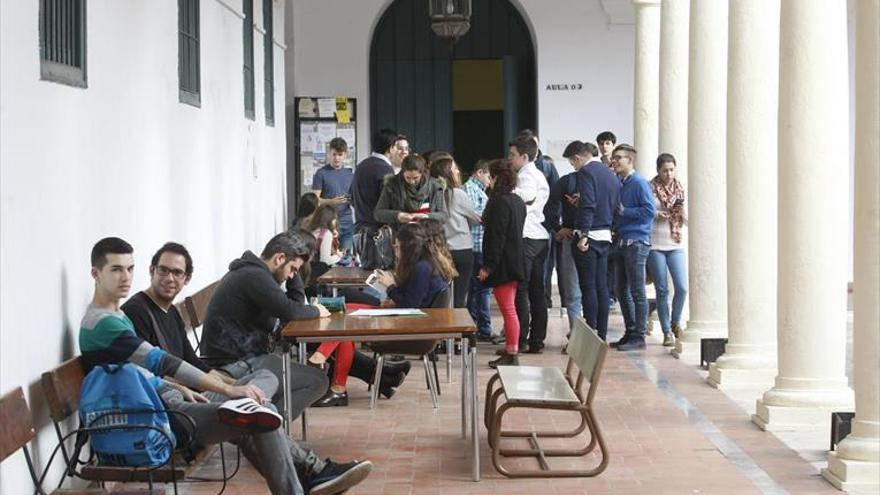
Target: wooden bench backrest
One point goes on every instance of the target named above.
(62, 386)
(16, 425)
(587, 351)
(193, 307)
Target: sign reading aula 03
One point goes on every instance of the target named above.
(565, 87)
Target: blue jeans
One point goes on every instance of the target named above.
(478, 299)
(631, 288)
(346, 235)
(592, 272)
(569, 287)
(658, 263)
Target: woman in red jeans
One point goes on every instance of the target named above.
(416, 280)
(503, 268)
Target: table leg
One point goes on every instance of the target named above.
(285, 384)
(464, 387)
(450, 352)
(302, 360)
(475, 407)
(335, 291)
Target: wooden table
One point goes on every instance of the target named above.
(437, 324)
(344, 276)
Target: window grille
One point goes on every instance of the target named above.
(189, 66)
(63, 41)
(269, 66)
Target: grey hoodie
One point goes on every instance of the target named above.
(244, 309)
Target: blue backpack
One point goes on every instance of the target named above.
(114, 399)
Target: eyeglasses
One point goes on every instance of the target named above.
(164, 271)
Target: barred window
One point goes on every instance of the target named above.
(248, 35)
(188, 52)
(63, 41)
(269, 66)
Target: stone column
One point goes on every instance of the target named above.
(752, 100)
(707, 124)
(674, 15)
(647, 86)
(813, 212)
(856, 463)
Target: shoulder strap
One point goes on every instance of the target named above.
(160, 335)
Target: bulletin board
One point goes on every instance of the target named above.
(318, 120)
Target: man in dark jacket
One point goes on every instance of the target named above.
(242, 315)
(158, 322)
(369, 177)
(598, 189)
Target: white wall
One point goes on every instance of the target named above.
(122, 157)
(573, 38)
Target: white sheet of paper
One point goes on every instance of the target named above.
(307, 138)
(326, 132)
(326, 107)
(347, 133)
(388, 312)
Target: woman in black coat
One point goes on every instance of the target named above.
(503, 268)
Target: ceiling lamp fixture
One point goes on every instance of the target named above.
(450, 19)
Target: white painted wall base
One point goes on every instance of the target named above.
(849, 475)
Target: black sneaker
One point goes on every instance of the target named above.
(388, 385)
(505, 360)
(534, 349)
(620, 342)
(336, 478)
(632, 345)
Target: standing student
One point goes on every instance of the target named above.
(531, 305)
(332, 184)
(411, 195)
(668, 241)
(632, 221)
(605, 141)
(366, 186)
(478, 295)
(462, 217)
(503, 247)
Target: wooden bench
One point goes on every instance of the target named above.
(532, 387)
(61, 387)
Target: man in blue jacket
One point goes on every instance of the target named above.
(632, 221)
(598, 192)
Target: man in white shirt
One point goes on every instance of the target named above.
(533, 189)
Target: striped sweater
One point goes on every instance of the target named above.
(108, 337)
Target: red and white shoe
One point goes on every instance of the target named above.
(247, 414)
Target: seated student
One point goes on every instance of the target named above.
(411, 195)
(305, 208)
(323, 225)
(242, 314)
(107, 336)
(413, 284)
(157, 321)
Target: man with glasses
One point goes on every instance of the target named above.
(158, 322)
(632, 221)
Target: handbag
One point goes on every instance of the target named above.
(374, 248)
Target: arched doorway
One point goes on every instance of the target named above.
(470, 98)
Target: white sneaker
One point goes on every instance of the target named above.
(247, 414)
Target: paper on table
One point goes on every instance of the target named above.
(388, 312)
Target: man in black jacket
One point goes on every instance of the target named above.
(157, 321)
(241, 318)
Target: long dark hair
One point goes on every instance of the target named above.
(412, 240)
(441, 168)
(438, 249)
(322, 218)
(503, 177)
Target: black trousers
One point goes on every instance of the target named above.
(531, 307)
(464, 265)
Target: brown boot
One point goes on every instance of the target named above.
(668, 340)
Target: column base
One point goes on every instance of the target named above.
(689, 343)
(724, 378)
(800, 409)
(848, 475)
(684, 349)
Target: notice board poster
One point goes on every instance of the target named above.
(319, 119)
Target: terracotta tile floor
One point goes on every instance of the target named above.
(654, 446)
